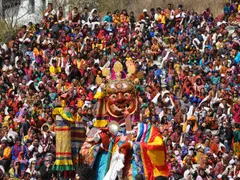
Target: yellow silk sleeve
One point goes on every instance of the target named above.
(7, 153)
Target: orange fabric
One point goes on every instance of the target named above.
(38, 52)
(214, 148)
(154, 156)
(123, 18)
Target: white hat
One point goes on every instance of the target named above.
(93, 87)
(144, 10)
(25, 105)
(137, 29)
(231, 162)
(88, 104)
(186, 174)
(176, 153)
(137, 24)
(31, 160)
(190, 148)
(219, 35)
(219, 23)
(219, 176)
(4, 139)
(165, 92)
(224, 155)
(30, 82)
(4, 47)
(193, 143)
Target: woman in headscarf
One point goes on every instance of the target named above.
(190, 126)
(15, 171)
(236, 111)
(198, 85)
(116, 17)
(94, 18)
(124, 17)
(187, 87)
(202, 175)
(32, 169)
(164, 124)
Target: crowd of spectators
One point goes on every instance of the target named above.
(190, 86)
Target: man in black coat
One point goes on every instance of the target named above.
(46, 170)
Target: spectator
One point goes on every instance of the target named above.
(5, 154)
(45, 171)
(107, 17)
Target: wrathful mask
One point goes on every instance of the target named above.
(121, 97)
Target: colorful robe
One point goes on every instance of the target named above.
(148, 155)
(63, 161)
(78, 135)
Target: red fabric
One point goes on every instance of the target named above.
(148, 165)
(236, 113)
(91, 96)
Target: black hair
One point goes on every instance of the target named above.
(139, 177)
(160, 178)
(85, 172)
(54, 61)
(26, 174)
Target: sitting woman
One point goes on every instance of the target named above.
(94, 19)
(124, 17)
(190, 127)
(32, 170)
(164, 125)
(155, 48)
(116, 17)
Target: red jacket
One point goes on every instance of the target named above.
(236, 112)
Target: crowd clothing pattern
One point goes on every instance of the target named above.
(190, 64)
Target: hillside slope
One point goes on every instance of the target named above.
(137, 6)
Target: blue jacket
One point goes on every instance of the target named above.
(107, 18)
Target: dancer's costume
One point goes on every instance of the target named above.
(118, 145)
(63, 161)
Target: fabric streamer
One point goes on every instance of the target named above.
(116, 167)
(190, 112)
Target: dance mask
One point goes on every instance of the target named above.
(120, 95)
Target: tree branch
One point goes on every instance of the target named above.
(17, 13)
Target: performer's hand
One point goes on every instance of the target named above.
(126, 113)
(125, 148)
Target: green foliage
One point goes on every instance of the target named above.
(6, 32)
